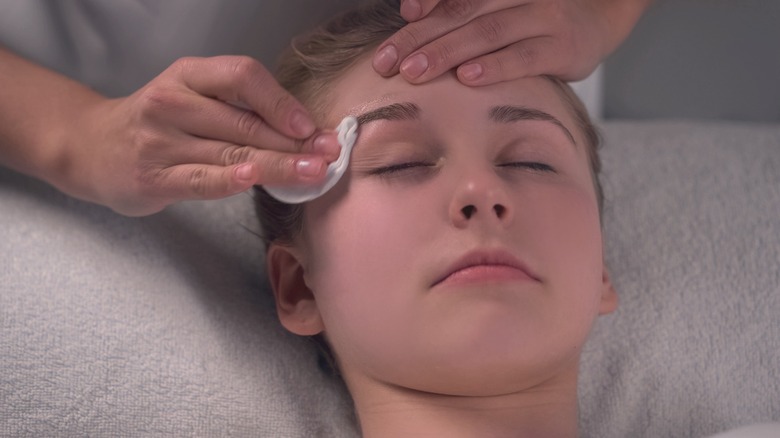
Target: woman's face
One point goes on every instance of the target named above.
(462, 252)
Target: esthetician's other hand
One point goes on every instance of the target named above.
(177, 138)
(491, 41)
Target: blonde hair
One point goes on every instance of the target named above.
(312, 63)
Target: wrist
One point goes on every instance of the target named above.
(65, 157)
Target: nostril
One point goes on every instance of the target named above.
(468, 211)
(500, 210)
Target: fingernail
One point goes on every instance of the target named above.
(411, 10)
(385, 59)
(327, 144)
(301, 123)
(470, 72)
(415, 66)
(243, 172)
(309, 167)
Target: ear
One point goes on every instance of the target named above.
(295, 302)
(609, 297)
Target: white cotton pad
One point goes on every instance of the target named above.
(347, 134)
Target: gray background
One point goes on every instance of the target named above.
(701, 59)
(693, 59)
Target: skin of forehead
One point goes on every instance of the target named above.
(356, 80)
(505, 114)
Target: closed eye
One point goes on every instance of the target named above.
(529, 165)
(400, 168)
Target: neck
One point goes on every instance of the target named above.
(546, 410)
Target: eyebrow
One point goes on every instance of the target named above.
(498, 114)
(396, 111)
(509, 114)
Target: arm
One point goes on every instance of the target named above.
(35, 107)
(174, 139)
(493, 40)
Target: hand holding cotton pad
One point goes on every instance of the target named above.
(347, 134)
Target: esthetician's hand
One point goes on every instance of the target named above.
(175, 139)
(491, 41)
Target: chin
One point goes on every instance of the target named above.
(491, 370)
(489, 380)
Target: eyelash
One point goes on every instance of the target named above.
(530, 165)
(401, 167)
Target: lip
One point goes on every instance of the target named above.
(486, 266)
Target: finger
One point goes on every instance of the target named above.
(413, 10)
(243, 79)
(271, 168)
(446, 16)
(485, 34)
(212, 119)
(209, 118)
(201, 151)
(530, 57)
(197, 181)
(415, 35)
(200, 181)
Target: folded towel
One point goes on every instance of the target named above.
(164, 326)
(692, 229)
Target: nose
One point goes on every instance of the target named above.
(480, 199)
(470, 210)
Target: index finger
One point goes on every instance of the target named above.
(446, 16)
(413, 10)
(243, 79)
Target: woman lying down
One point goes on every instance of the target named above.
(455, 270)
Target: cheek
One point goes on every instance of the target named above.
(370, 228)
(361, 236)
(363, 243)
(570, 244)
(564, 237)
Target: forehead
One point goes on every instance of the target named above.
(360, 89)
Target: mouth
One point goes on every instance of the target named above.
(486, 266)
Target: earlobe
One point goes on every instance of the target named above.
(295, 302)
(609, 297)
